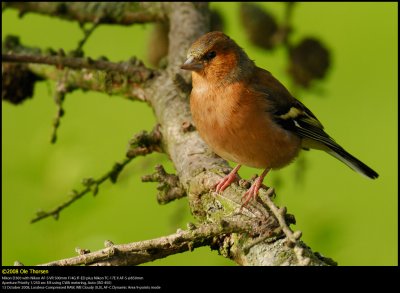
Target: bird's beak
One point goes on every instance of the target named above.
(192, 64)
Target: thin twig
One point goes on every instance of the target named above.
(91, 185)
(292, 237)
(86, 34)
(142, 144)
(59, 97)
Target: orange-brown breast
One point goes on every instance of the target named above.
(232, 120)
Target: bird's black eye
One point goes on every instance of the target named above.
(210, 55)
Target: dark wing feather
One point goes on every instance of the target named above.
(299, 119)
(304, 124)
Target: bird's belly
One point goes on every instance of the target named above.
(249, 143)
(256, 152)
(238, 129)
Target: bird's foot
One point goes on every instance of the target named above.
(252, 192)
(224, 183)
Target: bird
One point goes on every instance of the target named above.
(245, 115)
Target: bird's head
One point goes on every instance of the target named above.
(217, 57)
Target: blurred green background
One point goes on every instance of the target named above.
(341, 214)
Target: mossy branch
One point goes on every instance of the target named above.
(149, 250)
(133, 68)
(122, 13)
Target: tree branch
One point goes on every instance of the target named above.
(123, 13)
(127, 79)
(133, 68)
(169, 186)
(149, 250)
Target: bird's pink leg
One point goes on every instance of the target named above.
(224, 183)
(255, 187)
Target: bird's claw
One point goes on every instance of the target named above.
(224, 183)
(252, 192)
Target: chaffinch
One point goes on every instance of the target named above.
(247, 116)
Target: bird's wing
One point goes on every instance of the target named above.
(290, 113)
(299, 119)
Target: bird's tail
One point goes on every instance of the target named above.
(352, 162)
